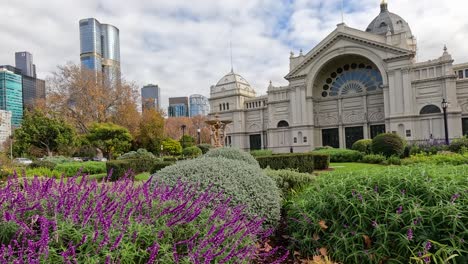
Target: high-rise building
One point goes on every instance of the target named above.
(199, 105)
(151, 97)
(178, 107)
(100, 48)
(11, 95)
(5, 127)
(24, 62)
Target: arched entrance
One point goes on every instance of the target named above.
(348, 100)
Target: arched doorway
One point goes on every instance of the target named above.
(348, 100)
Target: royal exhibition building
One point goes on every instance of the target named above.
(354, 84)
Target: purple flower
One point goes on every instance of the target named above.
(374, 224)
(455, 197)
(417, 221)
(360, 197)
(376, 188)
(403, 192)
(399, 210)
(428, 246)
(409, 234)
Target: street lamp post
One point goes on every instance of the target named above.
(198, 136)
(444, 107)
(11, 147)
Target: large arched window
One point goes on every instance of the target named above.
(283, 123)
(430, 109)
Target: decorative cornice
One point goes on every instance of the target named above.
(341, 35)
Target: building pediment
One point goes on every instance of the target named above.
(344, 37)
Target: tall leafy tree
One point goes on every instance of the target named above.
(85, 97)
(110, 138)
(41, 131)
(151, 132)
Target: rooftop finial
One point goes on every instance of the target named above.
(445, 48)
(383, 6)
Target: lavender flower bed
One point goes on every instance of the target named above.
(49, 221)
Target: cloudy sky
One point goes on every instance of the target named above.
(183, 45)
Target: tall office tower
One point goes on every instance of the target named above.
(100, 49)
(199, 105)
(24, 62)
(5, 127)
(178, 107)
(11, 96)
(150, 97)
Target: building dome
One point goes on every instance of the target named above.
(233, 81)
(388, 21)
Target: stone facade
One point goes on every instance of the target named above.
(354, 84)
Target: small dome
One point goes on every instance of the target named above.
(233, 81)
(386, 21)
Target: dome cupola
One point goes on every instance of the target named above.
(232, 81)
(387, 21)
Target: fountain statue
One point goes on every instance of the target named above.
(218, 130)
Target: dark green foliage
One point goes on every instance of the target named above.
(232, 153)
(448, 158)
(363, 145)
(322, 148)
(302, 162)
(383, 216)
(458, 145)
(191, 152)
(393, 160)
(7, 231)
(374, 159)
(170, 158)
(42, 164)
(388, 144)
(86, 151)
(72, 168)
(46, 133)
(244, 183)
(289, 181)
(110, 138)
(205, 147)
(187, 141)
(261, 152)
(139, 154)
(341, 155)
(121, 167)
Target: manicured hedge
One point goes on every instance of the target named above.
(302, 162)
(121, 167)
(288, 181)
(72, 168)
(341, 155)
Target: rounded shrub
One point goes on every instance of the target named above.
(374, 159)
(139, 154)
(363, 145)
(233, 154)
(245, 184)
(192, 152)
(388, 144)
(205, 147)
(42, 164)
(459, 144)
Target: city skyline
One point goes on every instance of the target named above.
(162, 41)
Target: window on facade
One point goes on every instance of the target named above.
(283, 123)
(305, 139)
(220, 107)
(295, 140)
(408, 133)
(227, 106)
(460, 74)
(466, 73)
(465, 126)
(430, 109)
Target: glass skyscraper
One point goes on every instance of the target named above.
(11, 95)
(151, 97)
(199, 105)
(100, 48)
(178, 107)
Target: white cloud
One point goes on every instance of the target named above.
(184, 46)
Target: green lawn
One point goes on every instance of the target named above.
(351, 166)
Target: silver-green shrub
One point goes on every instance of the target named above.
(233, 154)
(244, 183)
